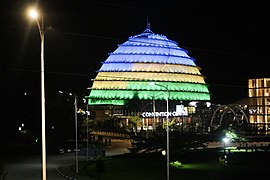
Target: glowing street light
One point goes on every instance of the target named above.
(76, 133)
(167, 127)
(33, 13)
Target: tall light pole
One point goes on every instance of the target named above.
(76, 128)
(167, 127)
(154, 110)
(76, 133)
(87, 127)
(35, 15)
(87, 130)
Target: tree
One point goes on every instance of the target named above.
(134, 123)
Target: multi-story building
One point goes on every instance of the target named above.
(259, 103)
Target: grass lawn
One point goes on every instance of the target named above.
(201, 165)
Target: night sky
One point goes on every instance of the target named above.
(228, 39)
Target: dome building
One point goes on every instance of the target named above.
(148, 68)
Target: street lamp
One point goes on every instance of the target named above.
(76, 129)
(76, 132)
(154, 110)
(167, 127)
(35, 15)
(87, 131)
(87, 126)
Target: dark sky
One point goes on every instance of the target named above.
(228, 39)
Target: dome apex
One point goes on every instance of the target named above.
(148, 31)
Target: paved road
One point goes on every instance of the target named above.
(29, 168)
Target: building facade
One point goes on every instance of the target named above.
(259, 103)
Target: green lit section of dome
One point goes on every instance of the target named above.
(147, 95)
(106, 102)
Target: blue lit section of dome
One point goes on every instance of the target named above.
(148, 47)
(149, 58)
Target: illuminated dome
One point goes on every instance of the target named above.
(148, 66)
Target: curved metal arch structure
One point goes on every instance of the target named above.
(226, 108)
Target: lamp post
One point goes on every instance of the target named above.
(76, 132)
(154, 110)
(76, 129)
(87, 127)
(87, 131)
(34, 15)
(167, 127)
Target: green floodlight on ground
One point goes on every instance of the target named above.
(233, 136)
(176, 164)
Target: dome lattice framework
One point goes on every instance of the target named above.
(148, 66)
